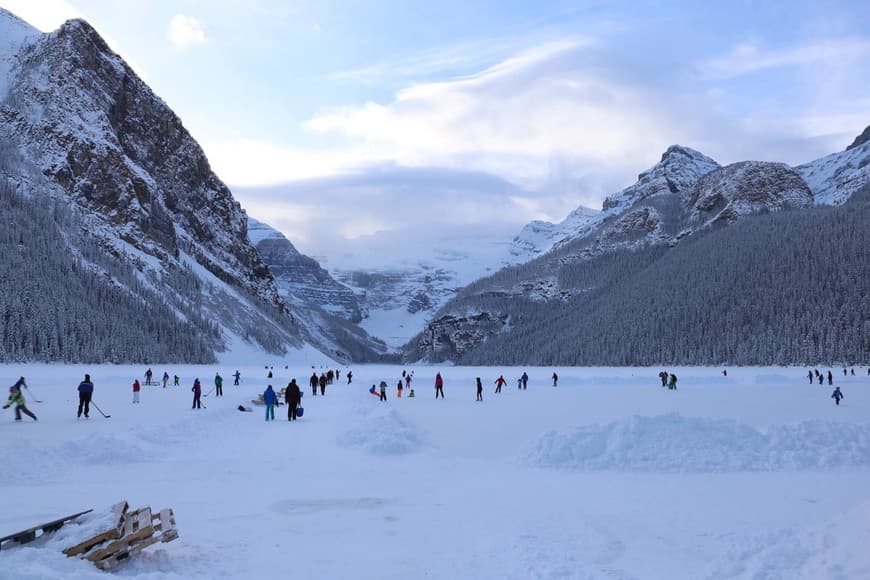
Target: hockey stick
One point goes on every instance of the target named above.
(35, 400)
(208, 393)
(100, 410)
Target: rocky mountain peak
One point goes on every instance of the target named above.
(864, 137)
(677, 171)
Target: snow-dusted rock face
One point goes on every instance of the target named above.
(539, 237)
(726, 194)
(678, 171)
(300, 278)
(448, 336)
(833, 179)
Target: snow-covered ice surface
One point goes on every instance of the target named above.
(608, 475)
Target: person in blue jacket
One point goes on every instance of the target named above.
(270, 398)
(86, 391)
(837, 395)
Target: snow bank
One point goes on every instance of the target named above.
(382, 431)
(693, 444)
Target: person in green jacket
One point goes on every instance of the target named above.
(672, 384)
(17, 398)
(218, 385)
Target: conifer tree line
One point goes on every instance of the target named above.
(789, 287)
(65, 298)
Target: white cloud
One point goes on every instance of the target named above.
(749, 58)
(46, 15)
(185, 31)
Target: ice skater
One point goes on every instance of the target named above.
(16, 397)
(270, 398)
(218, 385)
(499, 383)
(384, 391)
(136, 388)
(837, 395)
(555, 379)
(479, 390)
(197, 393)
(86, 391)
(439, 385)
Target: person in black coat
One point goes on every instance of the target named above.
(479, 389)
(313, 382)
(292, 396)
(86, 391)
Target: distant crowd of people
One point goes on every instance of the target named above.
(292, 393)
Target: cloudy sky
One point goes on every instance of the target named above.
(353, 117)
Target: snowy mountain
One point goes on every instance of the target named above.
(327, 309)
(833, 179)
(136, 206)
(523, 313)
(539, 237)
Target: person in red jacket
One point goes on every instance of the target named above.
(136, 388)
(439, 386)
(197, 393)
(499, 383)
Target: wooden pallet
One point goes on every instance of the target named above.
(29, 534)
(110, 533)
(141, 529)
(135, 531)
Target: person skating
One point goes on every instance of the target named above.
(270, 398)
(837, 395)
(830, 378)
(525, 379)
(175, 379)
(479, 390)
(292, 396)
(555, 379)
(197, 393)
(86, 391)
(236, 376)
(136, 389)
(148, 375)
(664, 378)
(269, 376)
(399, 386)
(349, 376)
(313, 382)
(408, 381)
(821, 379)
(165, 379)
(330, 376)
(439, 386)
(383, 390)
(810, 376)
(16, 397)
(672, 384)
(322, 382)
(499, 383)
(218, 385)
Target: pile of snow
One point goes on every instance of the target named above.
(382, 431)
(674, 443)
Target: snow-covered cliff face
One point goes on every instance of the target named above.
(833, 179)
(299, 277)
(88, 131)
(727, 193)
(325, 308)
(539, 237)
